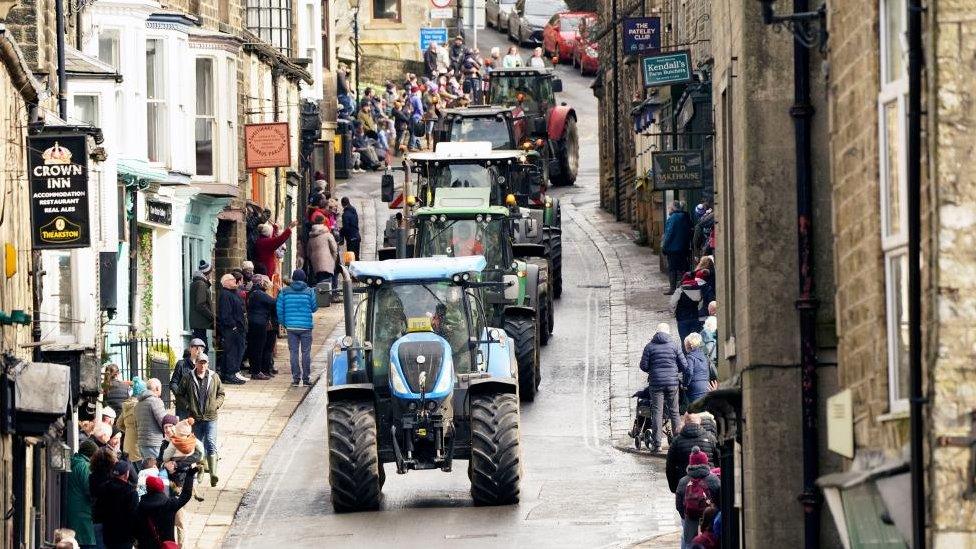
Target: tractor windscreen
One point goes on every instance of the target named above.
(457, 176)
(532, 92)
(397, 306)
(484, 128)
(464, 237)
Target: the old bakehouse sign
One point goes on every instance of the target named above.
(58, 174)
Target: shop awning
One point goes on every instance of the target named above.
(138, 172)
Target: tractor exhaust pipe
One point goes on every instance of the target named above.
(347, 314)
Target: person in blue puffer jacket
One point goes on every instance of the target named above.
(697, 377)
(295, 306)
(665, 365)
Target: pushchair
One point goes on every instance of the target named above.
(641, 431)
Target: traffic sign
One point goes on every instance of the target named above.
(441, 13)
(432, 34)
(441, 3)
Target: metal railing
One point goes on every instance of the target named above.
(132, 354)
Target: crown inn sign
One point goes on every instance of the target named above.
(58, 174)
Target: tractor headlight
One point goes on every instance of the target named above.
(396, 381)
(466, 276)
(346, 342)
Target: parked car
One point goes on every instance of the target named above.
(497, 12)
(560, 35)
(529, 18)
(586, 51)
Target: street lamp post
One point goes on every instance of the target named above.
(355, 45)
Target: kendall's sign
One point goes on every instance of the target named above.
(642, 35)
(58, 175)
(677, 170)
(665, 69)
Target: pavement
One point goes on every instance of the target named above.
(251, 421)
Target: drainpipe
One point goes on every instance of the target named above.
(275, 73)
(916, 400)
(617, 206)
(806, 304)
(62, 77)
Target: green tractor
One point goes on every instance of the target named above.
(515, 178)
(461, 223)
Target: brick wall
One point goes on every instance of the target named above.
(859, 264)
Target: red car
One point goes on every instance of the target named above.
(586, 51)
(559, 36)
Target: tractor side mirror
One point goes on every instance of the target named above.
(557, 85)
(387, 187)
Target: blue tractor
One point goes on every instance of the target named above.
(420, 380)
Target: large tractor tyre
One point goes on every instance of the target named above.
(545, 319)
(568, 155)
(354, 469)
(551, 316)
(495, 467)
(524, 332)
(556, 264)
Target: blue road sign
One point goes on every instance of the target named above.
(432, 34)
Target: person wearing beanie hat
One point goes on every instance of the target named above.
(692, 435)
(170, 419)
(183, 368)
(155, 517)
(204, 395)
(267, 243)
(698, 490)
(138, 386)
(78, 500)
(201, 314)
(295, 306)
(128, 422)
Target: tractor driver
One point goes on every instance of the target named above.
(526, 99)
(450, 326)
(464, 242)
(390, 323)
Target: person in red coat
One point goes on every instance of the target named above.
(267, 243)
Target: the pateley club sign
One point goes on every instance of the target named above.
(58, 174)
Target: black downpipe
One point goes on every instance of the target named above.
(617, 206)
(806, 304)
(917, 401)
(62, 76)
(133, 277)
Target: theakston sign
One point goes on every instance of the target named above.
(58, 174)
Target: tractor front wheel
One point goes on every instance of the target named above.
(354, 469)
(556, 262)
(524, 332)
(545, 319)
(568, 155)
(495, 468)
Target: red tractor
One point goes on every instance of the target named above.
(538, 118)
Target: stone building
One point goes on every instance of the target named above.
(389, 37)
(868, 160)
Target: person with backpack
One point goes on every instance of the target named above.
(156, 513)
(697, 491)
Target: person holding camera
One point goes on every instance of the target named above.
(156, 513)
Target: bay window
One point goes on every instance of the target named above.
(205, 117)
(155, 102)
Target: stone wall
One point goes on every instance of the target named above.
(949, 279)
(377, 69)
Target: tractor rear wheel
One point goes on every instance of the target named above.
(545, 319)
(495, 468)
(568, 155)
(556, 264)
(524, 332)
(354, 469)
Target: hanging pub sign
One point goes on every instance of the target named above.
(677, 170)
(58, 173)
(665, 69)
(267, 145)
(642, 35)
(159, 212)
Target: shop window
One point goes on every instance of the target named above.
(109, 50)
(86, 109)
(155, 102)
(388, 10)
(205, 117)
(271, 21)
(893, 186)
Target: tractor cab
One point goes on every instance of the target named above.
(495, 125)
(418, 362)
(528, 89)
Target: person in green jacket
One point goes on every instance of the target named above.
(203, 395)
(78, 515)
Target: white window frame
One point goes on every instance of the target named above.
(163, 114)
(214, 116)
(97, 99)
(895, 244)
(227, 111)
(118, 45)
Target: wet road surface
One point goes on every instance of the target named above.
(577, 489)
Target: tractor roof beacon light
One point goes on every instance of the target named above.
(510, 201)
